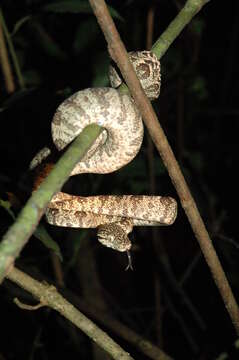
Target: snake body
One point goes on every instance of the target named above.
(113, 215)
(124, 211)
(116, 113)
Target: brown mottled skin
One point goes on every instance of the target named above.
(147, 68)
(113, 215)
(124, 210)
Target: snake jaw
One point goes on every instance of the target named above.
(113, 236)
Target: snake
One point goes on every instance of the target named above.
(114, 216)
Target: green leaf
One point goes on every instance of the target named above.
(7, 206)
(42, 235)
(75, 7)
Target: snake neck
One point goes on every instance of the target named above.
(40, 173)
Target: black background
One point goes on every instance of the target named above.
(198, 109)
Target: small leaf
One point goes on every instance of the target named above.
(75, 7)
(7, 206)
(42, 235)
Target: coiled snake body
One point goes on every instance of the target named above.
(114, 216)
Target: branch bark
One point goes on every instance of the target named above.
(120, 56)
(19, 233)
(4, 61)
(12, 51)
(48, 295)
(190, 9)
(94, 312)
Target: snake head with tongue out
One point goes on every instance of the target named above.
(114, 236)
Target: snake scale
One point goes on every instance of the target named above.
(113, 215)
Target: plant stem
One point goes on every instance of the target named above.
(12, 51)
(119, 55)
(48, 296)
(27, 220)
(190, 9)
(5, 63)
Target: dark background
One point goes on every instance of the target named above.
(170, 297)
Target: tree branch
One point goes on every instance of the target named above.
(94, 312)
(12, 52)
(190, 9)
(48, 295)
(27, 220)
(120, 56)
(4, 60)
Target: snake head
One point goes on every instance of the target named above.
(114, 236)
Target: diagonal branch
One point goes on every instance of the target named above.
(120, 56)
(190, 9)
(119, 329)
(4, 60)
(12, 51)
(19, 233)
(49, 296)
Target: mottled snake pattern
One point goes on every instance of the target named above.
(113, 215)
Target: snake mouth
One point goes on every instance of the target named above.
(114, 243)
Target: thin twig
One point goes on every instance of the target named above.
(186, 274)
(12, 52)
(27, 306)
(228, 239)
(48, 295)
(5, 63)
(18, 234)
(120, 56)
(115, 326)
